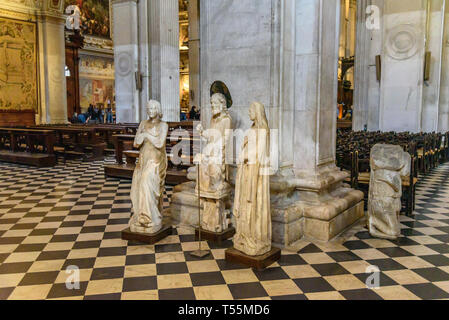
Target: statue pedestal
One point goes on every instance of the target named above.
(148, 238)
(258, 262)
(217, 237)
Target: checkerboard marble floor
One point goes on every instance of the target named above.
(70, 215)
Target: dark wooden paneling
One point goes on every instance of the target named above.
(17, 118)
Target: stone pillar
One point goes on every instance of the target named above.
(329, 206)
(164, 52)
(402, 101)
(194, 53)
(434, 44)
(125, 38)
(284, 55)
(443, 114)
(53, 97)
(368, 45)
(143, 56)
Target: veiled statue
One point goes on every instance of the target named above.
(252, 188)
(213, 173)
(149, 175)
(389, 163)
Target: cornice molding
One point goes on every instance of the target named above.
(123, 1)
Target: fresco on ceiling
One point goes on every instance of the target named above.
(95, 19)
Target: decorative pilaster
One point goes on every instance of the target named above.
(126, 60)
(164, 52)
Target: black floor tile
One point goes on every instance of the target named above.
(207, 279)
(113, 251)
(83, 263)
(275, 273)
(432, 274)
(311, 248)
(177, 294)
(427, 291)
(87, 244)
(312, 285)
(291, 260)
(36, 278)
(107, 273)
(356, 245)
(395, 252)
(159, 248)
(437, 260)
(15, 267)
(171, 268)
(53, 255)
(386, 264)
(140, 284)
(60, 290)
(5, 293)
(343, 256)
(247, 290)
(360, 294)
(330, 269)
(140, 259)
(110, 296)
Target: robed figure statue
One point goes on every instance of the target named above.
(149, 175)
(252, 188)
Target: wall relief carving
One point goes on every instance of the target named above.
(403, 41)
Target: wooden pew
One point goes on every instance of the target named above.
(176, 174)
(77, 141)
(27, 146)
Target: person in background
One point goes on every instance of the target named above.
(183, 116)
(83, 118)
(109, 118)
(90, 110)
(193, 113)
(95, 117)
(74, 118)
(198, 114)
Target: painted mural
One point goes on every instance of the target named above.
(18, 65)
(97, 85)
(95, 19)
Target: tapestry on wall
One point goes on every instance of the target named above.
(95, 19)
(18, 65)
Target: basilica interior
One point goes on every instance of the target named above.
(224, 150)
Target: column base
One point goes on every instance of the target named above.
(257, 262)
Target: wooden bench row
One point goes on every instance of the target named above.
(27, 146)
(126, 156)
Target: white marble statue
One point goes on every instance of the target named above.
(252, 188)
(149, 175)
(213, 170)
(389, 163)
(213, 180)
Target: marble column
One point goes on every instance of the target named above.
(125, 38)
(443, 113)
(283, 54)
(369, 39)
(434, 44)
(194, 53)
(52, 81)
(402, 100)
(164, 56)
